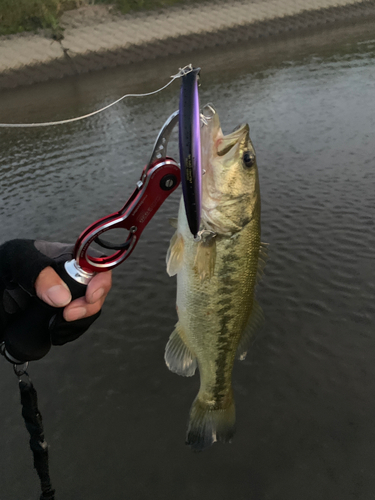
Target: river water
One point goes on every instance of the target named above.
(114, 416)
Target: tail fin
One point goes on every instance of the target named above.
(208, 425)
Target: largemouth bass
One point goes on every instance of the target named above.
(216, 277)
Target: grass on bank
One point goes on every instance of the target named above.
(29, 15)
(17, 16)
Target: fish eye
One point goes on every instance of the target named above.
(248, 159)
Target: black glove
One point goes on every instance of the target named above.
(26, 337)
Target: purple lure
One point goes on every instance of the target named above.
(190, 149)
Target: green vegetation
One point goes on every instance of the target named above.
(30, 15)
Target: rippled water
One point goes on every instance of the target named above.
(115, 417)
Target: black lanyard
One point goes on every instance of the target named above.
(34, 425)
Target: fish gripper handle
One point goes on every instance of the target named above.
(28, 336)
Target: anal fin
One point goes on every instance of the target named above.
(178, 356)
(255, 323)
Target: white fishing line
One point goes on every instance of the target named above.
(182, 71)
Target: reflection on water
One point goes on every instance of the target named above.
(114, 415)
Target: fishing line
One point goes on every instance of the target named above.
(182, 71)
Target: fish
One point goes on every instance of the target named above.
(217, 272)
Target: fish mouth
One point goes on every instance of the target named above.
(224, 143)
(228, 142)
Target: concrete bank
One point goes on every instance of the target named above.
(95, 38)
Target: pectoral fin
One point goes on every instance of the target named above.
(205, 258)
(255, 322)
(175, 254)
(178, 356)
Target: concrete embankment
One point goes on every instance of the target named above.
(95, 38)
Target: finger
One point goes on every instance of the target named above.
(99, 287)
(80, 308)
(51, 288)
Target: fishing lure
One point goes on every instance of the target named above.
(190, 148)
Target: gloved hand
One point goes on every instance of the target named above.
(28, 277)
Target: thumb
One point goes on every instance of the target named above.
(51, 288)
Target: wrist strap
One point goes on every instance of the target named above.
(34, 425)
